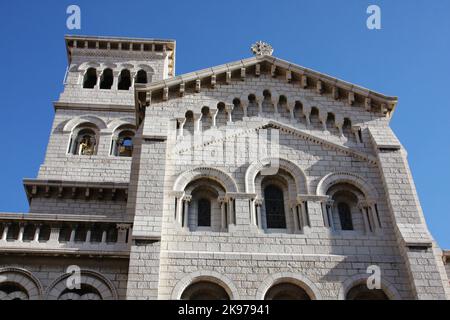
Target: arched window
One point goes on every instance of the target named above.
(124, 80)
(286, 291)
(90, 78)
(124, 144)
(204, 213)
(345, 216)
(107, 79)
(12, 291)
(86, 292)
(361, 292)
(205, 290)
(274, 203)
(141, 76)
(84, 142)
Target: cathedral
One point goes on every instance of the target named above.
(258, 179)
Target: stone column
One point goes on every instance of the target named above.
(187, 199)
(5, 232)
(72, 234)
(179, 212)
(325, 214)
(223, 214)
(88, 236)
(104, 236)
(258, 203)
(329, 207)
(214, 117)
(197, 122)
(54, 234)
(231, 216)
(293, 205)
(181, 122)
(307, 113)
(37, 231)
(275, 100)
(21, 230)
(259, 101)
(244, 106)
(291, 107)
(229, 109)
(99, 79)
(363, 208)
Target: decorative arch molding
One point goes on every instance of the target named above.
(102, 284)
(205, 275)
(116, 123)
(86, 65)
(144, 67)
(73, 123)
(25, 279)
(299, 176)
(388, 288)
(127, 66)
(289, 277)
(217, 175)
(346, 177)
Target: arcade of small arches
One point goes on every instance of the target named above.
(111, 76)
(20, 284)
(291, 287)
(205, 200)
(294, 110)
(84, 140)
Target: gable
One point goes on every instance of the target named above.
(297, 77)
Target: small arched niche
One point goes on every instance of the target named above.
(90, 78)
(84, 140)
(205, 208)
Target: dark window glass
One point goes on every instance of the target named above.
(204, 213)
(90, 79)
(274, 201)
(345, 216)
(107, 79)
(141, 77)
(124, 80)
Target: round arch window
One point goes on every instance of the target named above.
(286, 291)
(205, 290)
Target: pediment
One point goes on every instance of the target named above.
(238, 71)
(283, 128)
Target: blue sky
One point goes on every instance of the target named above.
(409, 58)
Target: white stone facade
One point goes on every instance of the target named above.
(206, 205)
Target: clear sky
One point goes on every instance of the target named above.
(409, 58)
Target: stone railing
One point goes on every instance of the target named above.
(64, 234)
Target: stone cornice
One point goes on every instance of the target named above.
(93, 107)
(75, 189)
(123, 254)
(62, 217)
(124, 47)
